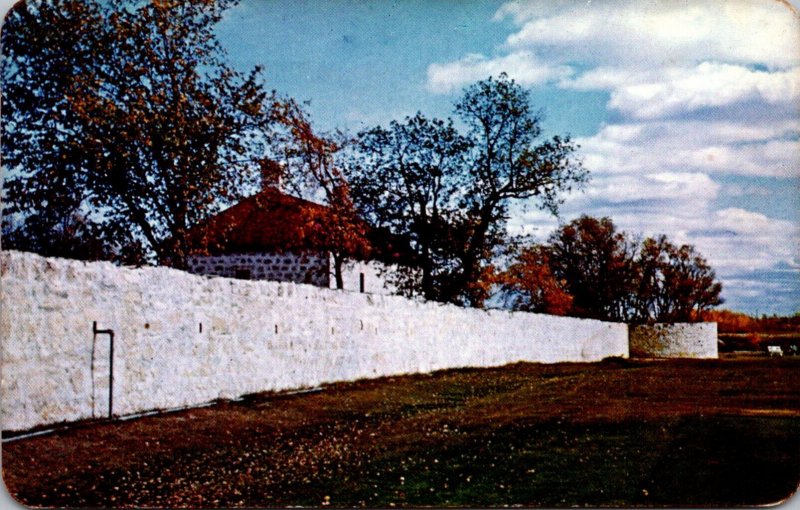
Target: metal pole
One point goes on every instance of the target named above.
(110, 333)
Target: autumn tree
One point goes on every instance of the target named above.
(610, 276)
(450, 192)
(528, 284)
(127, 111)
(44, 46)
(676, 284)
(309, 163)
(597, 264)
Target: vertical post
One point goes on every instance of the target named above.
(110, 333)
(111, 375)
(361, 282)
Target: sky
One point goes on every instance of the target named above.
(687, 112)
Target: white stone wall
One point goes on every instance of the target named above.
(680, 340)
(280, 267)
(183, 339)
(377, 277)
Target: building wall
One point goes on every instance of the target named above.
(290, 267)
(183, 339)
(281, 267)
(680, 340)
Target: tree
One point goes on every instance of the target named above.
(529, 285)
(132, 115)
(308, 161)
(611, 277)
(506, 164)
(406, 180)
(44, 47)
(676, 284)
(450, 192)
(597, 264)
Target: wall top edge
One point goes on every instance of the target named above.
(105, 265)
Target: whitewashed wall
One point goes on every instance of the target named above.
(255, 336)
(377, 277)
(680, 340)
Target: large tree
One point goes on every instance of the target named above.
(127, 113)
(676, 284)
(506, 162)
(450, 192)
(597, 264)
(610, 276)
(407, 180)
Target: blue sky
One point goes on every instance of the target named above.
(687, 112)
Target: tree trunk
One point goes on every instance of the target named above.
(338, 262)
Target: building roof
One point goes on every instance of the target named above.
(271, 221)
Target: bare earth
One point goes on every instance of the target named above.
(621, 432)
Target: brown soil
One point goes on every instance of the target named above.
(621, 432)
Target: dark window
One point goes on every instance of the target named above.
(242, 274)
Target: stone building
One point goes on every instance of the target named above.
(269, 236)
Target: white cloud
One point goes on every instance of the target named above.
(696, 90)
(700, 146)
(754, 241)
(523, 66)
(678, 188)
(660, 33)
(667, 91)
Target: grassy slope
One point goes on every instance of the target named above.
(617, 433)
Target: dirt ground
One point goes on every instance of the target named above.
(621, 432)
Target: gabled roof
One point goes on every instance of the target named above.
(271, 221)
(268, 221)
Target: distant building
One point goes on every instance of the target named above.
(268, 236)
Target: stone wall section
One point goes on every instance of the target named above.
(280, 267)
(679, 340)
(183, 339)
(314, 269)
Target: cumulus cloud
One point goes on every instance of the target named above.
(695, 91)
(671, 90)
(702, 146)
(676, 188)
(527, 69)
(660, 33)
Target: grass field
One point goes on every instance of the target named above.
(621, 432)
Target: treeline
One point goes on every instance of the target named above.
(737, 322)
(590, 269)
(124, 128)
